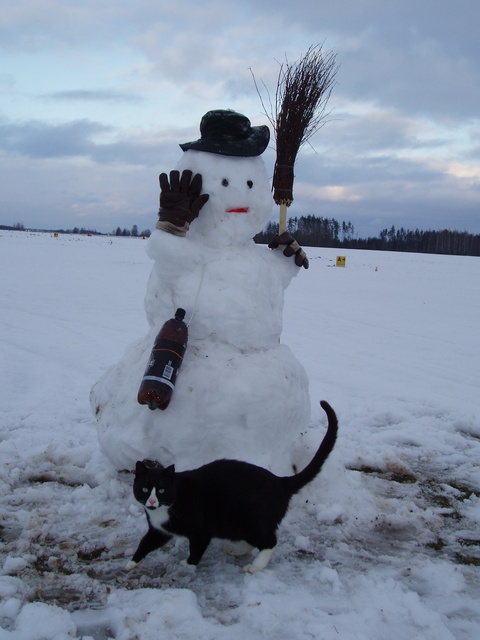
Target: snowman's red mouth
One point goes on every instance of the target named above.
(238, 210)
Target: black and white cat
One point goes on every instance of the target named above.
(225, 499)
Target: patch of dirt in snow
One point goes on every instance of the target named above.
(440, 515)
(75, 536)
(74, 541)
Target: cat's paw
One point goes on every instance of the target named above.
(250, 568)
(260, 562)
(185, 563)
(131, 564)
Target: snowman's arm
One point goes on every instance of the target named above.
(278, 269)
(176, 274)
(175, 256)
(291, 248)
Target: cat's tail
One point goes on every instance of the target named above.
(296, 482)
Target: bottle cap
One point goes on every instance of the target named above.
(179, 314)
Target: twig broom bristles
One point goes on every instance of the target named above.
(303, 90)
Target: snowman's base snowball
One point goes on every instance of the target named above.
(249, 405)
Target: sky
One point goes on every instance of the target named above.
(96, 96)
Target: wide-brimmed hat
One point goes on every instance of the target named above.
(229, 133)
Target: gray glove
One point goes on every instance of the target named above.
(180, 201)
(291, 248)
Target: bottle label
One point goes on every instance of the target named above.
(168, 372)
(164, 362)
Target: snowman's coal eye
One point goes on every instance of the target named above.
(250, 184)
(225, 182)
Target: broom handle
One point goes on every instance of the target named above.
(282, 226)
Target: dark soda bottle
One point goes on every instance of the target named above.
(165, 359)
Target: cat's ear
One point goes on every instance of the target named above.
(140, 468)
(170, 470)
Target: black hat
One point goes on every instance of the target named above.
(229, 133)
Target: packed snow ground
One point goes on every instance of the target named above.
(385, 542)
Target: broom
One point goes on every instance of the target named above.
(303, 90)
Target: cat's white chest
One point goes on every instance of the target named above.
(158, 517)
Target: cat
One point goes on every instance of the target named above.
(226, 499)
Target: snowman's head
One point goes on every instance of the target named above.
(240, 200)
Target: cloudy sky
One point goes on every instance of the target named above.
(96, 95)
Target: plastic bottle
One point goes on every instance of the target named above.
(165, 359)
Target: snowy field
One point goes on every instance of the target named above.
(385, 544)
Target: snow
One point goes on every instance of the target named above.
(383, 544)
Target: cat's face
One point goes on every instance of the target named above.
(154, 487)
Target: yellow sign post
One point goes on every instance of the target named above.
(341, 261)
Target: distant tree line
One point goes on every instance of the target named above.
(458, 243)
(312, 231)
(16, 227)
(133, 232)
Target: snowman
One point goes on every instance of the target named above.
(240, 392)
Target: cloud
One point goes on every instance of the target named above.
(82, 139)
(418, 57)
(93, 95)
(7, 81)
(68, 192)
(34, 26)
(39, 140)
(332, 192)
